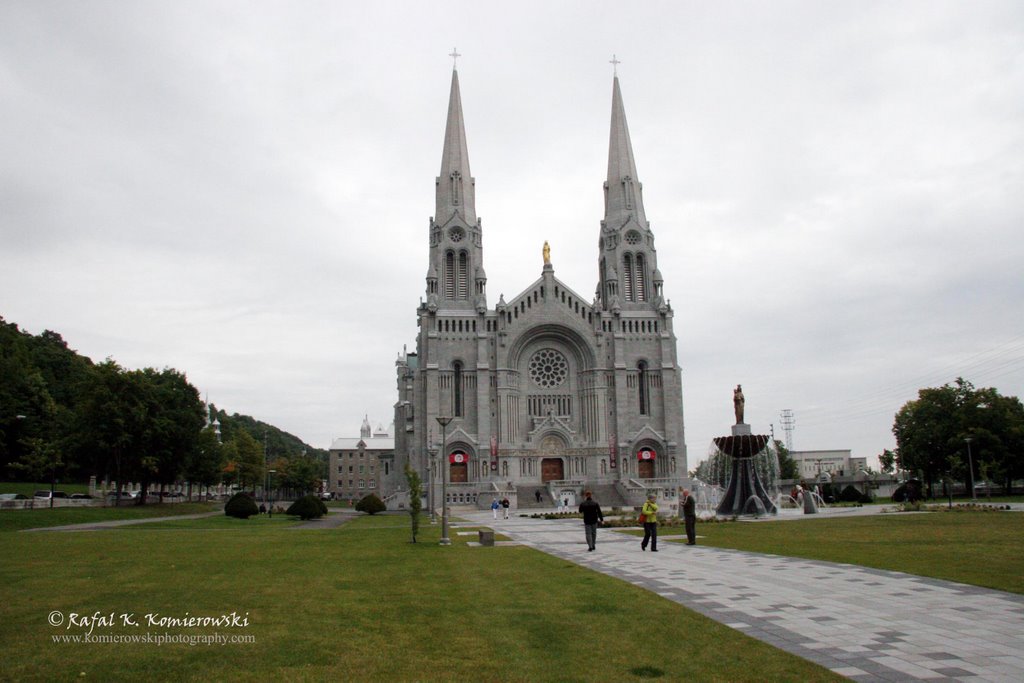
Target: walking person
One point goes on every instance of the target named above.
(505, 504)
(536, 494)
(650, 514)
(591, 512)
(494, 507)
(690, 517)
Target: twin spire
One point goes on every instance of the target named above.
(456, 186)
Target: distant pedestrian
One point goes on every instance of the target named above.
(690, 517)
(591, 512)
(494, 507)
(505, 504)
(650, 514)
(263, 509)
(536, 495)
(565, 505)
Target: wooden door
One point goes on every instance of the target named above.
(551, 469)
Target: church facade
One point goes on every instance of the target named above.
(549, 392)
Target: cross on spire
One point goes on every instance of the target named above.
(615, 65)
(454, 54)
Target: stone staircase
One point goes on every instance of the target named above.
(528, 498)
(608, 497)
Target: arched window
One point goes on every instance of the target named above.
(627, 276)
(457, 390)
(641, 278)
(641, 369)
(462, 284)
(449, 275)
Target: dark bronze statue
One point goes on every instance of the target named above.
(737, 403)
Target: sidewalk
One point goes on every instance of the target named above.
(865, 624)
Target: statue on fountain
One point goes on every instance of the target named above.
(745, 493)
(738, 402)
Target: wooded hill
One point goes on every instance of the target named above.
(64, 416)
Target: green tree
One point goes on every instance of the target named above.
(205, 463)
(302, 473)
(932, 431)
(887, 460)
(249, 462)
(412, 478)
(788, 467)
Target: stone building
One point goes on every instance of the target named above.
(359, 466)
(549, 392)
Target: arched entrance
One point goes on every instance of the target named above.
(645, 463)
(552, 469)
(458, 472)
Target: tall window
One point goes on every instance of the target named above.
(457, 389)
(642, 386)
(462, 286)
(449, 275)
(641, 278)
(627, 276)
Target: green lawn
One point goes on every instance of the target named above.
(358, 602)
(14, 520)
(28, 488)
(979, 548)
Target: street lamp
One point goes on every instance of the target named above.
(970, 465)
(444, 422)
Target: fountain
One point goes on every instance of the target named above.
(746, 466)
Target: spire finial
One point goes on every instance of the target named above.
(454, 54)
(615, 65)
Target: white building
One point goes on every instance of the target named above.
(837, 462)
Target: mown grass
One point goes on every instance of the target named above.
(979, 548)
(14, 520)
(358, 602)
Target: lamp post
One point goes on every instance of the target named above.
(444, 422)
(970, 465)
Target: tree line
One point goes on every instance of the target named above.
(63, 417)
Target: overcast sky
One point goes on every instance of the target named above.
(242, 190)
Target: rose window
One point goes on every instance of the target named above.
(548, 368)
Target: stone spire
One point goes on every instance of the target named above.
(627, 260)
(455, 191)
(623, 198)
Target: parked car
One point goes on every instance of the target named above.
(80, 496)
(124, 495)
(13, 496)
(326, 495)
(45, 495)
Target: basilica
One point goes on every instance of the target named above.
(539, 397)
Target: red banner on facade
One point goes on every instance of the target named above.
(645, 454)
(458, 457)
(612, 450)
(494, 453)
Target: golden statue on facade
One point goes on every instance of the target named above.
(547, 253)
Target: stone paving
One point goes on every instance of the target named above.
(864, 624)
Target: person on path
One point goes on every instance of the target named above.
(536, 495)
(494, 507)
(505, 504)
(591, 512)
(690, 517)
(650, 514)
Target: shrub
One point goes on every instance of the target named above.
(371, 504)
(851, 494)
(241, 506)
(307, 507)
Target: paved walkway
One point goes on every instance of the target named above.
(114, 523)
(865, 624)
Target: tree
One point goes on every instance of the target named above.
(887, 460)
(249, 462)
(205, 463)
(412, 477)
(931, 433)
(301, 473)
(788, 467)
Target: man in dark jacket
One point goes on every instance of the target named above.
(690, 517)
(591, 512)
